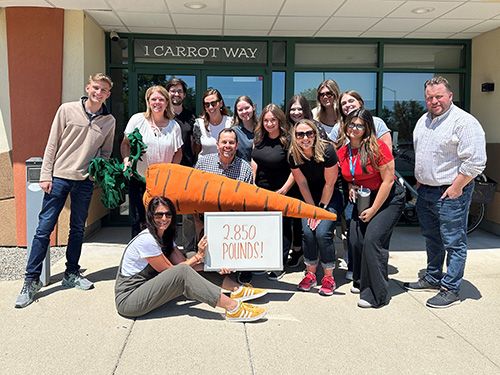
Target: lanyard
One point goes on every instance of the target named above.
(352, 162)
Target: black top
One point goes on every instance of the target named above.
(186, 119)
(315, 172)
(272, 166)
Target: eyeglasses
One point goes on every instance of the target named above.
(308, 134)
(270, 121)
(211, 104)
(159, 215)
(173, 92)
(327, 94)
(356, 126)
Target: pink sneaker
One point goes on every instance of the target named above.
(327, 286)
(308, 282)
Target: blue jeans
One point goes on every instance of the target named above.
(137, 211)
(318, 244)
(444, 226)
(53, 203)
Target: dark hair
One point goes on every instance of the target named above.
(175, 82)
(260, 132)
(304, 103)
(369, 145)
(166, 242)
(227, 130)
(223, 109)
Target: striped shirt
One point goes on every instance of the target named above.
(239, 169)
(448, 145)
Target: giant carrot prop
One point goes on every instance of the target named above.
(194, 191)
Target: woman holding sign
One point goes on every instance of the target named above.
(314, 167)
(153, 271)
(368, 162)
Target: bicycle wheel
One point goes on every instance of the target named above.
(476, 215)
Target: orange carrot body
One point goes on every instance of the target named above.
(193, 191)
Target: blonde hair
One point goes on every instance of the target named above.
(333, 87)
(100, 77)
(168, 113)
(319, 145)
(259, 130)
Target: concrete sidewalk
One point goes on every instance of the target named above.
(69, 331)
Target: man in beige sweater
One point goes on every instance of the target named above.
(81, 131)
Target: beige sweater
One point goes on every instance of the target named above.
(74, 141)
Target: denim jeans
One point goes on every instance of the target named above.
(318, 244)
(53, 203)
(444, 227)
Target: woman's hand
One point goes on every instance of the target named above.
(367, 214)
(202, 248)
(126, 163)
(282, 191)
(225, 271)
(313, 223)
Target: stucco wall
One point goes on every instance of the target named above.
(486, 106)
(84, 54)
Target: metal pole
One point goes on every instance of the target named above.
(34, 199)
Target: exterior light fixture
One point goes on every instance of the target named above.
(423, 10)
(195, 5)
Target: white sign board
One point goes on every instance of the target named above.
(249, 241)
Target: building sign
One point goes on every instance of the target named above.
(199, 52)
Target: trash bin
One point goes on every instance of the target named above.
(34, 199)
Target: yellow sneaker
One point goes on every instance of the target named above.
(246, 313)
(247, 293)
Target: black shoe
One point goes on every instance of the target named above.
(445, 298)
(421, 285)
(244, 277)
(296, 258)
(275, 275)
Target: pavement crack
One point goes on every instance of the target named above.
(123, 347)
(249, 351)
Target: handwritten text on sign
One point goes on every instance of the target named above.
(244, 241)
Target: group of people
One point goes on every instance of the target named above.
(322, 156)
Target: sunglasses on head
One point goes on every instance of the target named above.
(211, 104)
(308, 134)
(356, 126)
(159, 215)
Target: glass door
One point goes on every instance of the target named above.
(232, 86)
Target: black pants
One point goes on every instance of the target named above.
(137, 211)
(370, 254)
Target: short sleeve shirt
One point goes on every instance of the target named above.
(208, 138)
(162, 143)
(314, 171)
(372, 179)
(141, 247)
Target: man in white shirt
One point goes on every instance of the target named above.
(450, 151)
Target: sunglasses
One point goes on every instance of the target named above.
(326, 94)
(308, 134)
(211, 104)
(356, 126)
(159, 215)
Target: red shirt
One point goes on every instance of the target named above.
(372, 179)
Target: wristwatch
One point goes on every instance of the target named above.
(322, 205)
